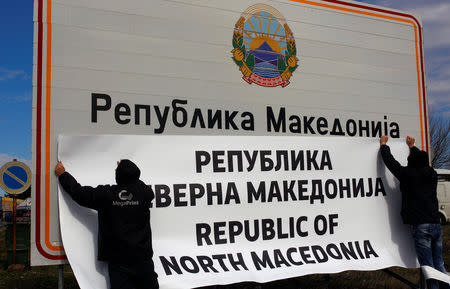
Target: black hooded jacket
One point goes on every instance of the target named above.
(418, 182)
(124, 233)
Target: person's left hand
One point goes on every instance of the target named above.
(59, 169)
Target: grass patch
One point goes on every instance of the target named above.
(2, 245)
(39, 277)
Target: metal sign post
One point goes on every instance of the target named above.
(14, 229)
(60, 276)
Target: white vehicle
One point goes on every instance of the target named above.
(443, 193)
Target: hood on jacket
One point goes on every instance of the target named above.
(127, 172)
(418, 159)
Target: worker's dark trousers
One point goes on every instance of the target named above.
(138, 275)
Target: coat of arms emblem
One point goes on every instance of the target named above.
(264, 47)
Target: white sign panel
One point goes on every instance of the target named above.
(231, 209)
(214, 67)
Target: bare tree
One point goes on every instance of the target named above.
(440, 142)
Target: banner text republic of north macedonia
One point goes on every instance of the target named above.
(245, 208)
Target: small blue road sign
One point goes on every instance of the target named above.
(15, 177)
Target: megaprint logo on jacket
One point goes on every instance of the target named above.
(264, 47)
(126, 198)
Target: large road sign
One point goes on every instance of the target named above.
(15, 177)
(210, 67)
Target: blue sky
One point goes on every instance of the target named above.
(16, 59)
(16, 65)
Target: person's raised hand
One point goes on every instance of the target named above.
(59, 169)
(383, 140)
(410, 141)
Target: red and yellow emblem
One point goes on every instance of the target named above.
(264, 47)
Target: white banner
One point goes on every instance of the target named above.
(238, 208)
(431, 273)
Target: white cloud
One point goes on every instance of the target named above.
(5, 158)
(445, 114)
(8, 74)
(434, 12)
(17, 98)
(439, 86)
(436, 22)
(408, 5)
(434, 15)
(435, 112)
(437, 36)
(439, 102)
(439, 61)
(446, 71)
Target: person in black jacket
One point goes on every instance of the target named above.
(124, 234)
(418, 182)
